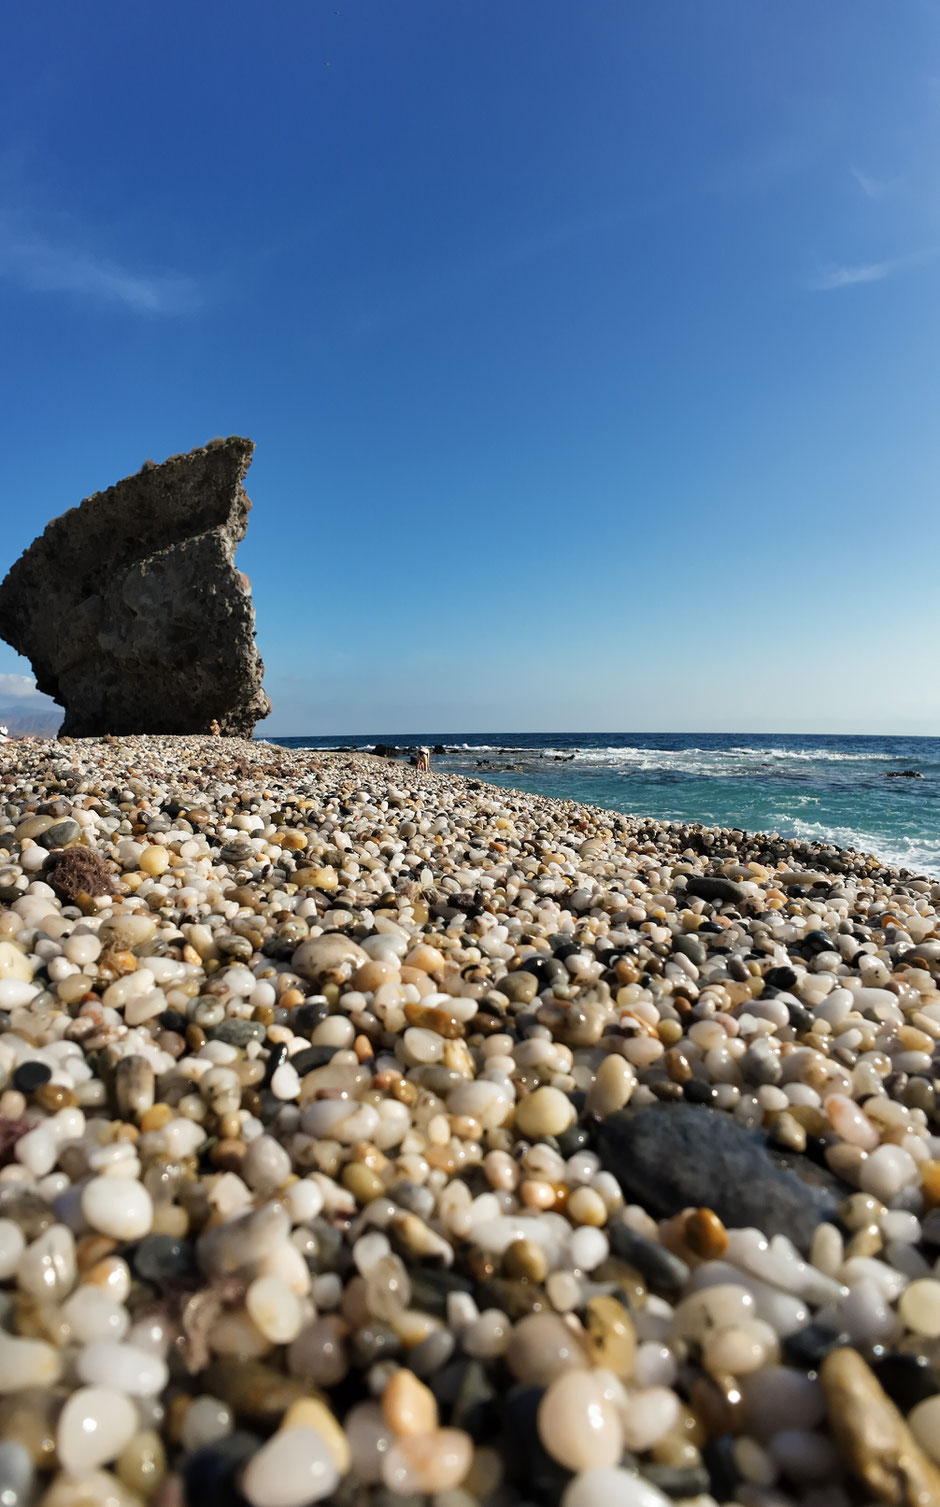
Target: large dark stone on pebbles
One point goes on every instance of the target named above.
(716, 889)
(669, 1157)
(131, 609)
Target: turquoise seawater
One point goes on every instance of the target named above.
(820, 788)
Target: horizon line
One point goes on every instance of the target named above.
(625, 733)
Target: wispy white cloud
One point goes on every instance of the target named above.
(849, 276)
(43, 263)
(872, 188)
(18, 685)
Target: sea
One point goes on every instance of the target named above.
(823, 788)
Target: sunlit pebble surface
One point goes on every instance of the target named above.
(298, 1198)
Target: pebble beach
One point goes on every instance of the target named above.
(378, 1137)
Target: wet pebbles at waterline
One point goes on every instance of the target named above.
(375, 1136)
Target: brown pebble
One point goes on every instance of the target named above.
(432, 1018)
(677, 1065)
(91, 1249)
(227, 1155)
(196, 1037)
(879, 1447)
(176, 1411)
(156, 1118)
(405, 1092)
(53, 1096)
(705, 1234)
(526, 1261)
(717, 1401)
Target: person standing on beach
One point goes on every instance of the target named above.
(424, 759)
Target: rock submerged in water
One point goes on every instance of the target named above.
(670, 1157)
(130, 607)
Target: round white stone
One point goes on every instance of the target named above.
(293, 1468)
(118, 1206)
(37, 1151)
(611, 1488)
(93, 1315)
(274, 1309)
(126, 1368)
(94, 1427)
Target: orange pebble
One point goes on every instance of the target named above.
(930, 1181)
(156, 1117)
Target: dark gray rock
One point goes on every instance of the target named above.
(665, 1272)
(691, 947)
(130, 607)
(60, 834)
(669, 1157)
(715, 888)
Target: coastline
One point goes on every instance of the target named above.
(419, 1117)
(873, 793)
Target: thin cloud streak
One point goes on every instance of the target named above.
(872, 188)
(39, 264)
(832, 278)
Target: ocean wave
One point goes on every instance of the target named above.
(822, 755)
(918, 854)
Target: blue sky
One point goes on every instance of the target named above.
(589, 348)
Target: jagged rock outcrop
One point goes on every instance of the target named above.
(130, 607)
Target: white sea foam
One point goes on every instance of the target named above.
(918, 854)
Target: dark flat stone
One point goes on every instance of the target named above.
(670, 1156)
(907, 1379)
(31, 1075)
(163, 1259)
(698, 1091)
(807, 1347)
(716, 889)
(309, 1058)
(209, 1474)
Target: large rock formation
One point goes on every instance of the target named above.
(130, 607)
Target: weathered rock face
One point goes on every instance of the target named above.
(130, 607)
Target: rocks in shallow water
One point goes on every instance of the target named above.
(673, 1156)
(880, 1447)
(151, 626)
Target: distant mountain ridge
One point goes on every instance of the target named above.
(35, 715)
